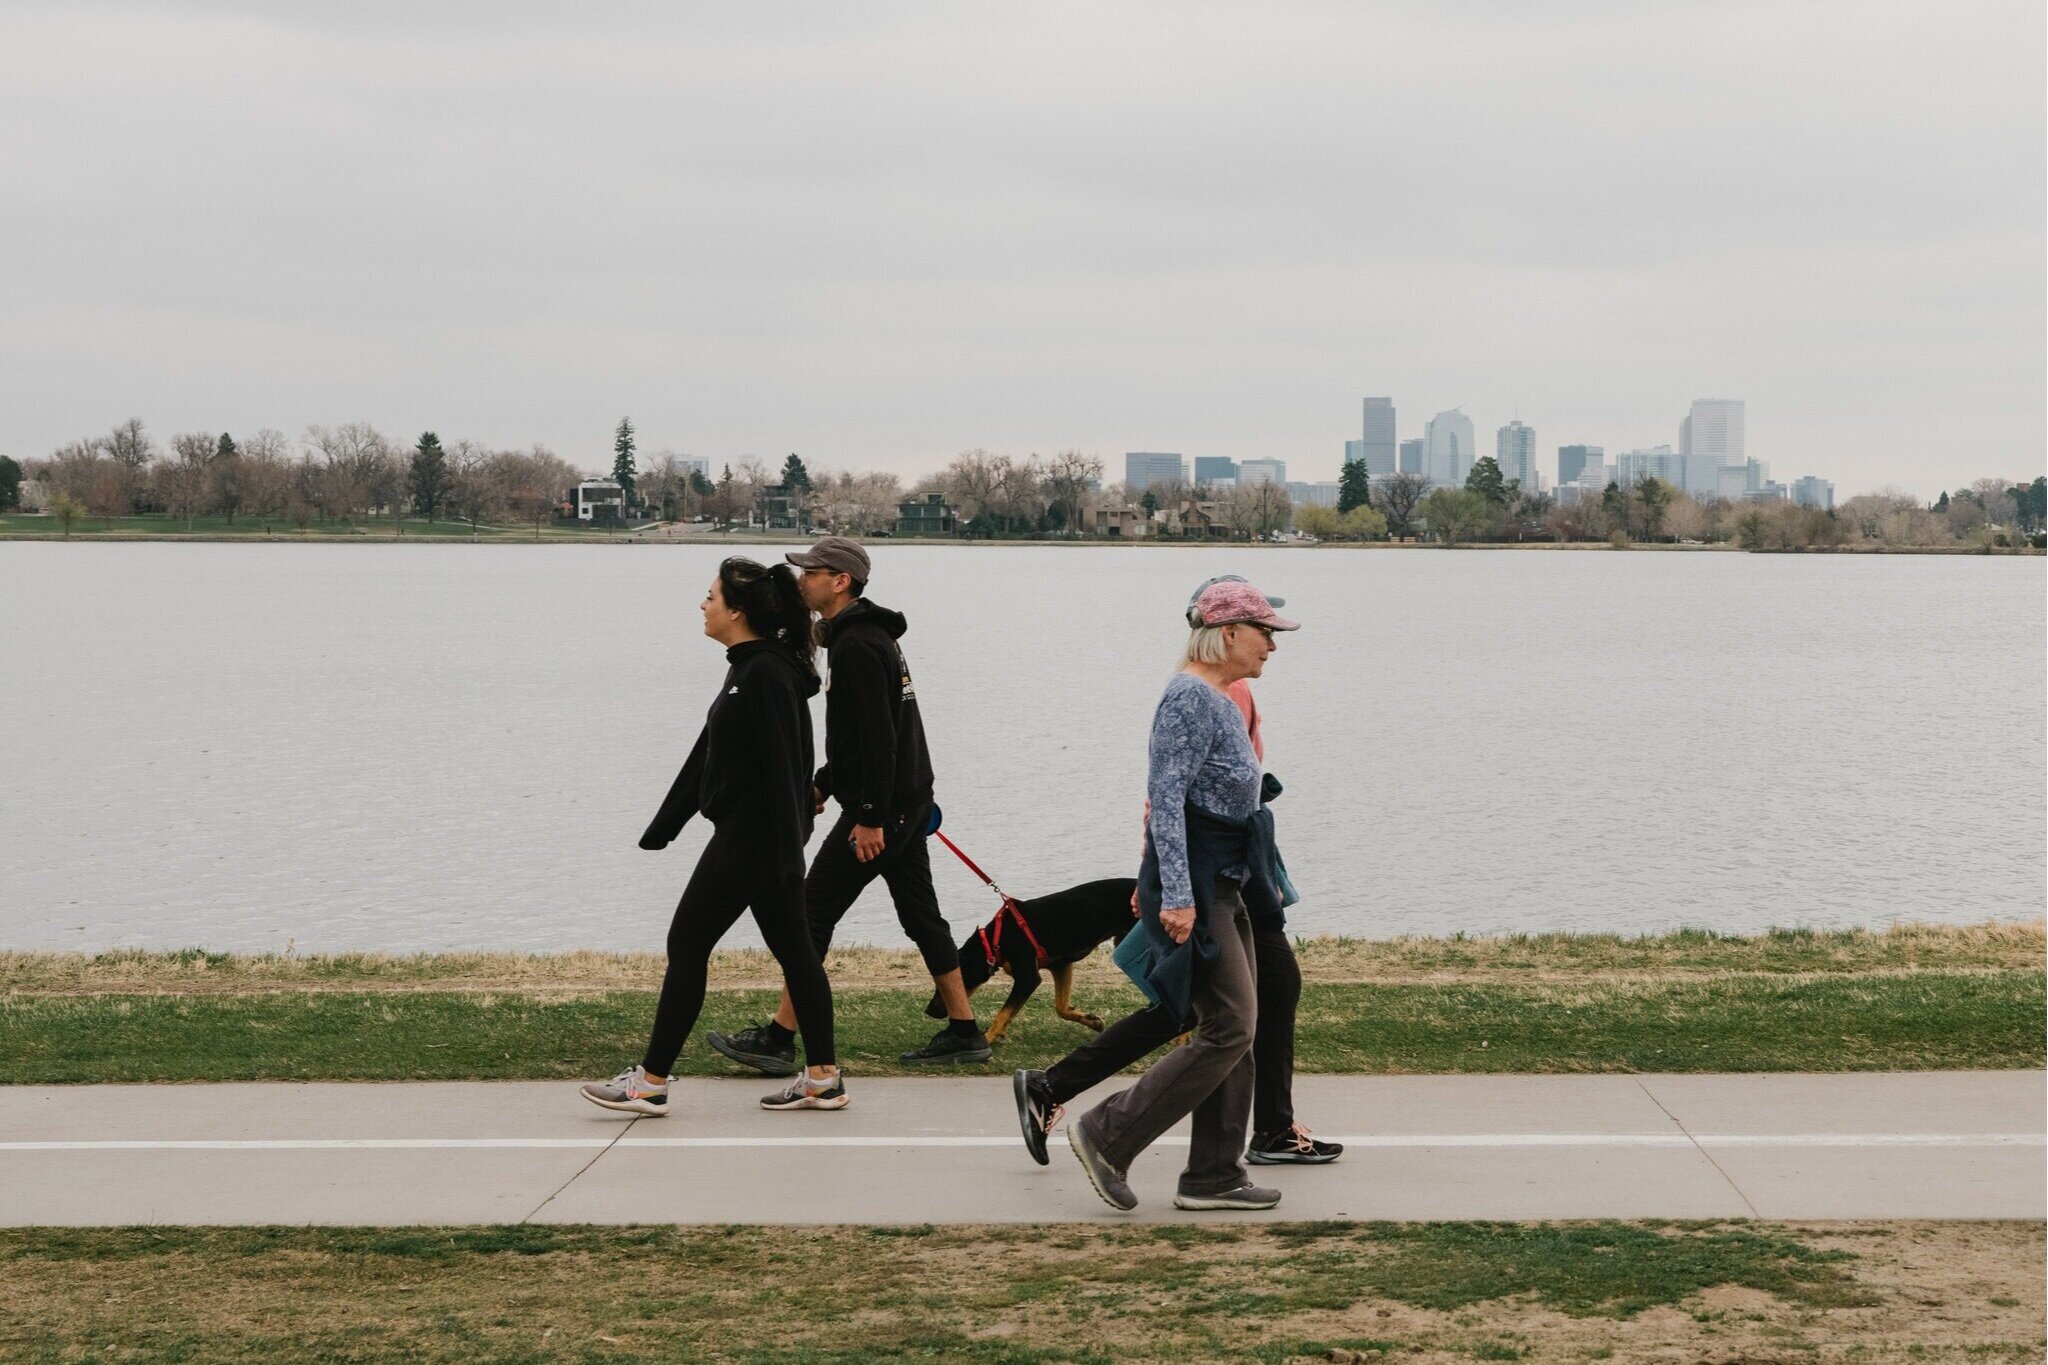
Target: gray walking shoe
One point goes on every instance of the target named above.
(629, 1093)
(1108, 1181)
(1245, 1196)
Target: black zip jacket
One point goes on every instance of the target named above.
(876, 763)
(751, 766)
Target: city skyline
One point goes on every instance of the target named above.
(880, 238)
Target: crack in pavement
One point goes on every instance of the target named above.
(581, 1169)
(1697, 1148)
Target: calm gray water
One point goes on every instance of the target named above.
(449, 746)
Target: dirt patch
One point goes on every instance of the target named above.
(1904, 1291)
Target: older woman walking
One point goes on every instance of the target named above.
(1208, 850)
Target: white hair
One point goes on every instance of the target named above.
(1205, 646)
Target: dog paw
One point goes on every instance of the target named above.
(1093, 1021)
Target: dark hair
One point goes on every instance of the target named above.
(769, 600)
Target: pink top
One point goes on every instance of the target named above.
(1241, 693)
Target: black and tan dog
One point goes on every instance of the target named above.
(1046, 934)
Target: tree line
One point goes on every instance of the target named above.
(355, 472)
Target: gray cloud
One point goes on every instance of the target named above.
(878, 234)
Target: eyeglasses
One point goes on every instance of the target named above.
(1266, 631)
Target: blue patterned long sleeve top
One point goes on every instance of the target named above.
(1201, 754)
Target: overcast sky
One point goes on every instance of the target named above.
(880, 234)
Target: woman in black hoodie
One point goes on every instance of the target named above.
(750, 775)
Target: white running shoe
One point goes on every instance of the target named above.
(629, 1093)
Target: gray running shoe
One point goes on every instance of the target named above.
(805, 1093)
(758, 1048)
(948, 1046)
(629, 1093)
(1245, 1196)
(1108, 1181)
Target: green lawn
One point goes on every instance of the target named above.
(1924, 1020)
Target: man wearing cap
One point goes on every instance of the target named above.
(878, 768)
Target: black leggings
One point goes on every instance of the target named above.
(1136, 1036)
(731, 878)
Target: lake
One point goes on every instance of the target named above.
(449, 746)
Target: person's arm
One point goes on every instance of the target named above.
(681, 802)
(773, 719)
(1181, 739)
(872, 676)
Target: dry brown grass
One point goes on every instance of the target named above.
(1529, 959)
(1922, 1291)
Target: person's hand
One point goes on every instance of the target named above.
(817, 802)
(1178, 924)
(867, 842)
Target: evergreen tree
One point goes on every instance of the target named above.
(226, 448)
(1485, 480)
(622, 460)
(429, 475)
(702, 486)
(1941, 503)
(1354, 487)
(10, 483)
(794, 475)
(1150, 502)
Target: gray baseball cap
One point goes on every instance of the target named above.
(836, 553)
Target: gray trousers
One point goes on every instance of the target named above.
(1210, 1078)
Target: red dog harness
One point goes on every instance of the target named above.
(992, 932)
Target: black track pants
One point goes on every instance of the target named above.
(837, 878)
(729, 879)
(1136, 1036)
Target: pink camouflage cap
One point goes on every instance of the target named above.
(1232, 602)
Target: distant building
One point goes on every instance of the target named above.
(1313, 494)
(596, 500)
(1710, 438)
(1261, 471)
(1739, 481)
(1126, 522)
(695, 464)
(1661, 463)
(1143, 468)
(1411, 456)
(1814, 492)
(1209, 469)
(1448, 455)
(1514, 447)
(930, 515)
(1197, 520)
(1354, 451)
(1378, 447)
(780, 507)
(1571, 460)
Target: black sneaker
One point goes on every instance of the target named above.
(756, 1047)
(1292, 1148)
(1037, 1111)
(947, 1046)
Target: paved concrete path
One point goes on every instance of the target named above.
(946, 1150)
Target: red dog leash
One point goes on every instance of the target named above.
(992, 932)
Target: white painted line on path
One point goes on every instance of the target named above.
(1411, 1140)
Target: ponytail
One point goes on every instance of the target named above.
(769, 599)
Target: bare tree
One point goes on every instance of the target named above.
(1397, 498)
(476, 484)
(184, 480)
(362, 471)
(973, 483)
(129, 446)
(1068, 476)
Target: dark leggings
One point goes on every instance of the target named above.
(731, 878)
(1136, 1036)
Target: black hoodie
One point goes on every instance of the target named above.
(750, 769)
(876, 763)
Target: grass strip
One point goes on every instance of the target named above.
(1920, 1021)
(1021, 1295)
(1992, 946)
